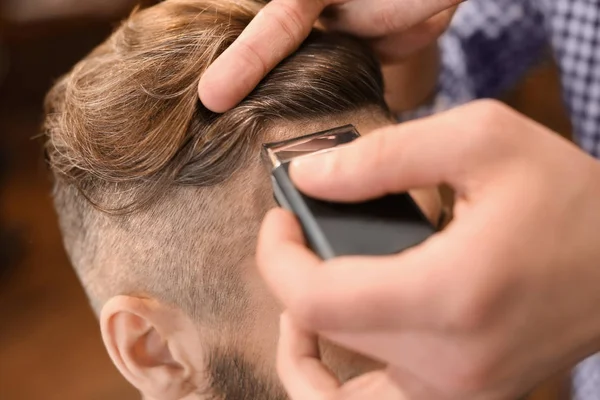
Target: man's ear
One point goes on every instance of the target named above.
(155, 347)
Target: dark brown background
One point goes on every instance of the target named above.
(49, 342)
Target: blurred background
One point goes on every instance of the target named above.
(50, 345)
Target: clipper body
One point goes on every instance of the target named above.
(382, 226)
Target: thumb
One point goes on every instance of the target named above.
(424, 153)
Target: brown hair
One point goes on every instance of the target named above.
(126, 135)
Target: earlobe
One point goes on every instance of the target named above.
(145, 350)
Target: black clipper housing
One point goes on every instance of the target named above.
(382, 226)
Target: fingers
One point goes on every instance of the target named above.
(446, 148)
(281, 243)
(377, 18)
(300, 369)
(396, 47)
(282, 25)
(304, 375)
(277, 30)
(353, 293)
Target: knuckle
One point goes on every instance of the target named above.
(488, 112)
(472, 312)
(249, 55)
(289, 20)
(486, 127)
(387, 16)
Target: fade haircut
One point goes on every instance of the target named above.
(158, 196)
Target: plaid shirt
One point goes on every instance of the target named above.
(488, 48)
(492, 43)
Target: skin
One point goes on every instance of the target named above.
(502, 298)
(162, 351)
(397, 30)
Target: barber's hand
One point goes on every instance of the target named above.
(282, 25)
(505, 296)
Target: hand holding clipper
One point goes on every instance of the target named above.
(382, 226)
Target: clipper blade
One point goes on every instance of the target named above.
(277, 153)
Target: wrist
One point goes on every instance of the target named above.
(412, 83)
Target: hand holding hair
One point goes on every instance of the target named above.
(282, 25)
(505, 296)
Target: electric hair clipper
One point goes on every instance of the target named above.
(382, 226)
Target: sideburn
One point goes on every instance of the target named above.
(233, 377)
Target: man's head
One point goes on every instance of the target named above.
(160, 200)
